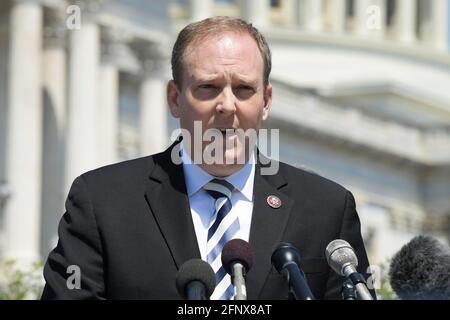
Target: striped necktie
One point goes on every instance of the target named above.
(222, 228)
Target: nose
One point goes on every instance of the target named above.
(227, 102)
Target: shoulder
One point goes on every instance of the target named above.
(126, 174)
(313, 193)
(134, 166)
(308, 181)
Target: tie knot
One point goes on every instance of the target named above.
(219, 188)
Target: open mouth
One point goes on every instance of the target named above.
(229, 131)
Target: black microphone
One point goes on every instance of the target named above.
(342, 259)
(237, 259)
(421, 270)
(286, 260)
(195, 280)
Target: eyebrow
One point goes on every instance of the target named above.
(244, 79)
(205, 78)
(250, 81)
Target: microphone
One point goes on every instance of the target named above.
(286, 260)
(237, 260)
(195, 280)
(342, 259)
(421, 270)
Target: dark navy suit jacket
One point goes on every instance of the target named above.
(128, 228)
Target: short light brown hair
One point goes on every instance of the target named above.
(211, 27)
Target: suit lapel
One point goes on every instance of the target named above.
(267, 227)
(167, 197)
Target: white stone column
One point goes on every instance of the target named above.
(383, 17)
(24, 136)
(4, 64)
(108, 99)
(288, 12)
(406, 20)
(153, 108)
(109, 113)
(108, 118)
(371, 17)
(4, 50)
(200, 9)
(82, 154)
(116, 57)
(55, 114)
(361, 16)
(440, 20)
(312, 15)
(255, 12)
(338, 15)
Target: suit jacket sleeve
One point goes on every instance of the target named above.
(79, 247)
(351, 232)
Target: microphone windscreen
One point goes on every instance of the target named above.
(237, 250)
(339, 253)
(284, 254)
(196, 270)
(421, 270)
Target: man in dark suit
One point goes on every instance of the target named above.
(129, 227)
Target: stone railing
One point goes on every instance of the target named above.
(307, 111)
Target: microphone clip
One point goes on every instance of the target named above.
(356, 278)
(348, 290)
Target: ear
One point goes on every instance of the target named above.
(267, 101)
(173, 95)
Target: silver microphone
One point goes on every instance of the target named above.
(237, 260)
(342, 259)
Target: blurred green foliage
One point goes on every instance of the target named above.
(385, 291)
(20, 283)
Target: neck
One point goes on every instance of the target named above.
(222, 170)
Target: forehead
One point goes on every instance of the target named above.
(230, 50)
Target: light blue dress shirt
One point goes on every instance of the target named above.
(202, 204)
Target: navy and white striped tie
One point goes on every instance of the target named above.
(222, 228)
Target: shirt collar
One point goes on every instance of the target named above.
(196, 177)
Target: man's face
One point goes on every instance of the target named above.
(222, 88)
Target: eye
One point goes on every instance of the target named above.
(207, 87)
(245, 87)
(206, 91)
(244, 92)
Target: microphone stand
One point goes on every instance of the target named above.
(297, 282)
(238, 280)
(195, 290)
(348, 290)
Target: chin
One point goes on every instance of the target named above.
(227, 168)
(234, 157)
(222, 170)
